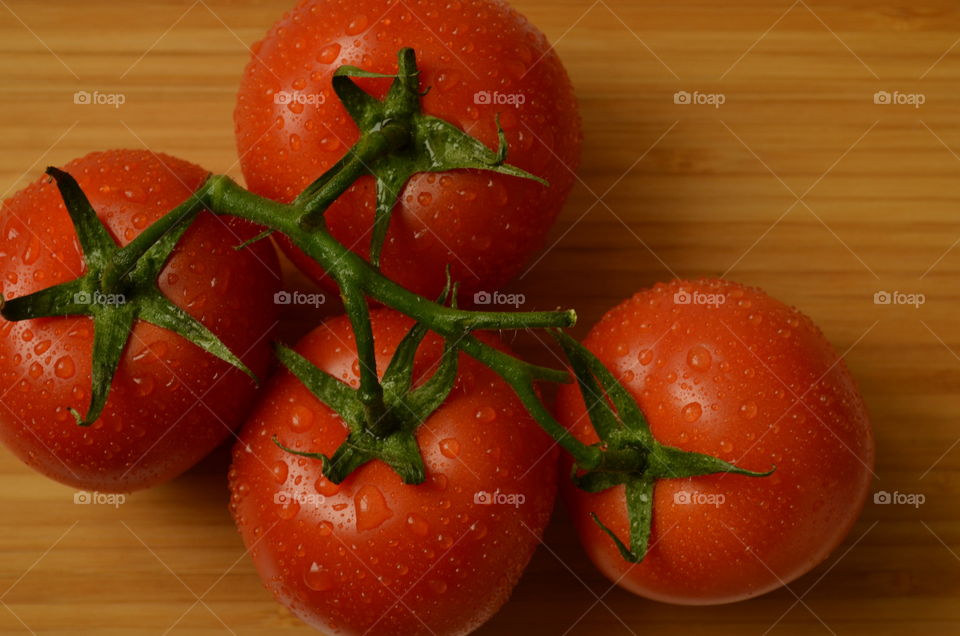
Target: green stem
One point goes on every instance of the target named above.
(352, 272)
(370, 394)
(224, 196)
(125, 262)
(370, 147)
(521, 379)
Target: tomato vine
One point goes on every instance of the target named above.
(397, 140)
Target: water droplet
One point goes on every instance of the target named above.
(645, 357)
(135, 194)
(301, 419)
(418, 525)
(280, 470)
(726, 446)
(145, 385)
(289, 509)
(699, 358)
(748, 410)
(328, 53)
(325, 528)
(32, 253)
(326, 487)
(447, 79)
(318, 579)
(357, 24)
(424, 198)
(692, 412)
(485, 414)
(440, 481)
(450, 447)
(371, 508)
(438, 587)
(64, 367)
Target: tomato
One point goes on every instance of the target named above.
(479, 58)
(373, 555)
(170, 402)
(723, 369)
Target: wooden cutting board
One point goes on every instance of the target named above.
(798, 182)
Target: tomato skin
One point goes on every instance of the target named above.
(452, 561)
(671, 356)
(485, 225)
(170, 402)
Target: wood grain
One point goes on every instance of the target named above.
(798, 183)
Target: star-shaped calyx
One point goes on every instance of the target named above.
(118, 287)
(397, 140)
(393, 438)
(630, 455)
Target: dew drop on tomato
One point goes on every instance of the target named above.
(280, 470)
(301, 419)
(699, 358)
(145, 385)
(318, 579)
(418, 525)
(485, 414)
(326, 487)
(691, 412)
(289, 509)
(357, 24)
(371, 508)
(450, 447)
(64, 367)
(748, 410)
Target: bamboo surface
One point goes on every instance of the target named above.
(798, 183)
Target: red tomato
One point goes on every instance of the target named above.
(170, 402)
(484, 225)
(733, 373)
(373, 555)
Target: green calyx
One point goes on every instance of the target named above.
(629, 454)
(389, 435)
(397, 141)
(118, 287)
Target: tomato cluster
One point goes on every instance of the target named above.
(395, 475)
